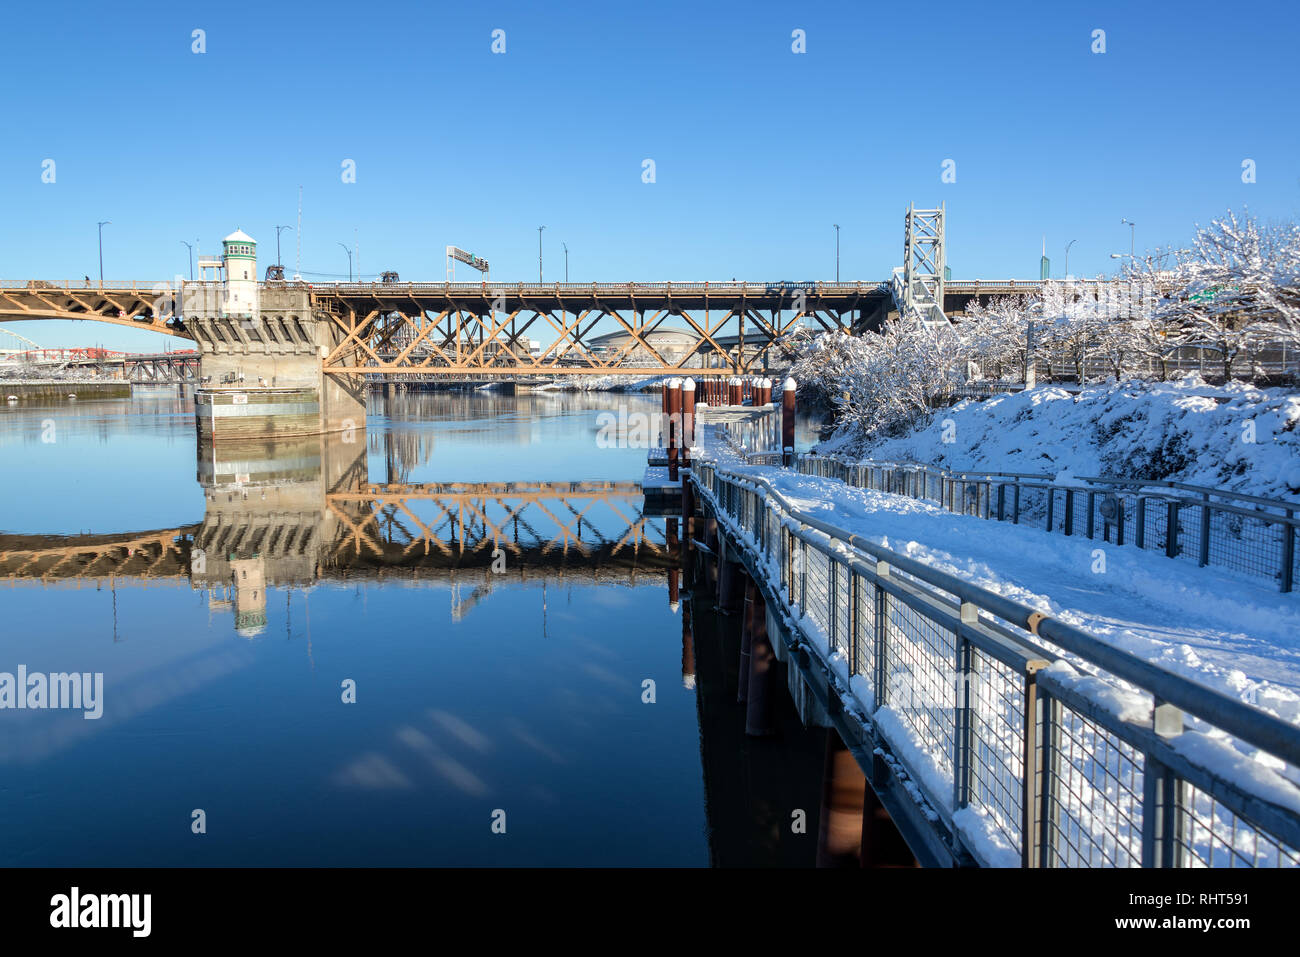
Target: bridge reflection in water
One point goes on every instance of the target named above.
(301, 512)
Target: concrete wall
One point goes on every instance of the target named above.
(273, 359)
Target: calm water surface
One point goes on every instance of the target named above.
(228, 596)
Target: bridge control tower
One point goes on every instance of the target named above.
(239, 252)
(261, 349)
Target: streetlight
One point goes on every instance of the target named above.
(539, 253)
(1131, 230)
(349, 252)
(566, 261)
(1067, 257)
(107, 222)
(278, 229)
(837, 251)
(190, 246)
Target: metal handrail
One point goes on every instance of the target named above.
(1272, 814)
(1215, 537)
(1117, 480)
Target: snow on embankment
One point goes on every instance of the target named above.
(1235, 437)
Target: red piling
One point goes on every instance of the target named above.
(688, 422)
(674, 425)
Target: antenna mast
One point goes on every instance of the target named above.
(297, 270)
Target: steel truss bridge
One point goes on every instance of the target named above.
(585, 531)
(483, 329)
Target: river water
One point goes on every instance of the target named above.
(447, 639)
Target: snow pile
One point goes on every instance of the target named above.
(1234, 437)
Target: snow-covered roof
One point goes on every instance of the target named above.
(239, 236)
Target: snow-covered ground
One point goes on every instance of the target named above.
(1234, 437)
(1234, 635)
(1237, 636)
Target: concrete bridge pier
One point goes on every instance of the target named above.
(261, 372)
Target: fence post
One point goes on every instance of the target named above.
(1031, 781)
(1069, 511)
(1092, 511)
(855, 619)
(1002, 502)
(964, 736)
(1051, 782)
(1015, 518)
(881, 636)
(1162, 796)
(832, 594)
(1141, 522)
(1203, 556)
(1288, 551)
(803, 578)
(1171, 529)
(1051, 507)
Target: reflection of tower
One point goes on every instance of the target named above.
(249, 578)
(239, 250)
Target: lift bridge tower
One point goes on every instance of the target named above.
(923, 264)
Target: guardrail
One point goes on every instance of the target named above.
(1244, 533)
(1031, 741)
(75, 285)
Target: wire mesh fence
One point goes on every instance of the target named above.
(1245, 534)
(1004, 720)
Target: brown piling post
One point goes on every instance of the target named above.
(674, 425)
(787, 422)
(688, 422)
(758, 713)
(688, 648)
(688, 513)
(839, 839)
(729, 584)
(735, 397)
(744, 672)
(711, 561)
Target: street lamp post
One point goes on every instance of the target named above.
(349, 252)
(1132, 228)
(1067, 257)
(566, 261)
(539, 253)
(278, 230)
(837, 251)
(190, 246)
(107, 222)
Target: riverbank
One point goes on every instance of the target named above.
(16, 390)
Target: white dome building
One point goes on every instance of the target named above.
(239, 252)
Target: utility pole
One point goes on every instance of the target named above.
(107, 222)
(566, 261)
(1132, 228)
(191, 249)
(539, 253)
(278, 230)
(837, 251)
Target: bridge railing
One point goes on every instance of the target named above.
(1025, 740)
(1243, 533)
(74, 285)
(591, 288)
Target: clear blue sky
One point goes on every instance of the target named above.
(758, 150)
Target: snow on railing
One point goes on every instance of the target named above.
(1027, 741)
